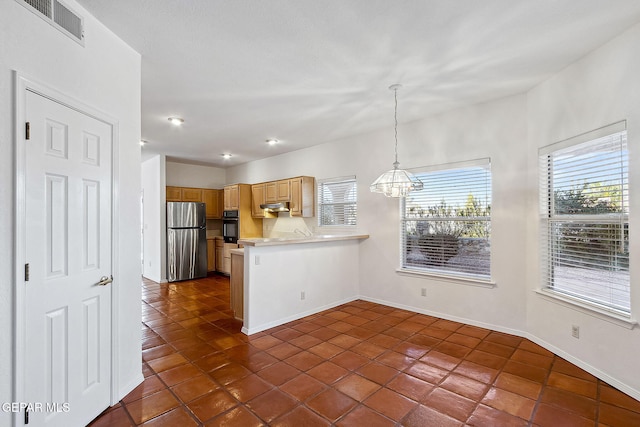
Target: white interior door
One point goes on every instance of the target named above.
(68, 249)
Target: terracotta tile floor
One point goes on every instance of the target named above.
(360, 364)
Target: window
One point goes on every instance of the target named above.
(337, 201)
(446, 227)
(585, 218)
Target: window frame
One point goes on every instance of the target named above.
(460, 277)
(321, 184)
(548, 218)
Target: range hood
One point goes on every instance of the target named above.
(276, 207)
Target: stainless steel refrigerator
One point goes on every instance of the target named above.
(186, 241)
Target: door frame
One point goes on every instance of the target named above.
(22, 85)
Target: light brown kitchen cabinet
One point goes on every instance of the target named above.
(232, 197)
(277, 191)
(219, 245)
(174, 194)
(237, 285)
(226, 257)
(213, 200)
(270, 192)
(212, 197)
(302, 201)
(283, 188)
(211, 255)
(257, 199)
(192, 194)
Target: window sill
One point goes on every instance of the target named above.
(590, 309)
(470, 281)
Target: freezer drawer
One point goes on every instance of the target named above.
(186, 253)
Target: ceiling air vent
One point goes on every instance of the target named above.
(59, 16)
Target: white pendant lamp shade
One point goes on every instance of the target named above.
(396, 182)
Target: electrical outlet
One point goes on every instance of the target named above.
(302, 295)
(575, 331)
(423, 292)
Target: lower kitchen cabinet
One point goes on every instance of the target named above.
(237, 284)
(223, 256)
(219, 245)
(211, 255)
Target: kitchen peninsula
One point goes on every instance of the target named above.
(289, 278)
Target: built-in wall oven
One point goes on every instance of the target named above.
(230, 226)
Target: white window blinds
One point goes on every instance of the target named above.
(446, 227)
(585, 218)
(337, 201)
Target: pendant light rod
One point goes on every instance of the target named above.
(395, 88)
(396, 182)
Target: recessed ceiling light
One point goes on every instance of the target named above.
(272, 141)
(176, 121)
(226, 156)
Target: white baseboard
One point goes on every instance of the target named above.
(555, 350)
(583, 365)
(296, 316)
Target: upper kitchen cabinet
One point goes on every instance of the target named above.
(211, 197)
(184, 194)
(192, 195)
(302, 202)
(258, 197)
(174, 194)
(213, 200)
(278, 191)
(232, 197)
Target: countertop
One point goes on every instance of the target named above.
(275, 241)
(238, 251)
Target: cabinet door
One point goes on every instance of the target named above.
(284, 190)
(174, 194)
(257, 199)
(192, 195)
(227, 198)
(271, 192)
(302, 196)
(237, 286)
(231, 197)
(219, 259)
(212, 200)
(295, 204)
(211, 255)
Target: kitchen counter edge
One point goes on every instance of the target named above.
(278, 241)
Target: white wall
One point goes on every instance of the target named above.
(486, 130)
(186, 175)
(326, 272)
(599, 89)
(104, 74)
(154, 219)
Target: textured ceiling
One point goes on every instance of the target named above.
(312, 71)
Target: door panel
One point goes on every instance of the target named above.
(68, 248)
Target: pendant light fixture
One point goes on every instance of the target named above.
(396, 182)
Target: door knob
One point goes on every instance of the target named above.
(105, 280)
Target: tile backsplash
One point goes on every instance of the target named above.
(286, 226)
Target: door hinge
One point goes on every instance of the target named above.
(26, 272)
(26, 416)
(27, 130)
